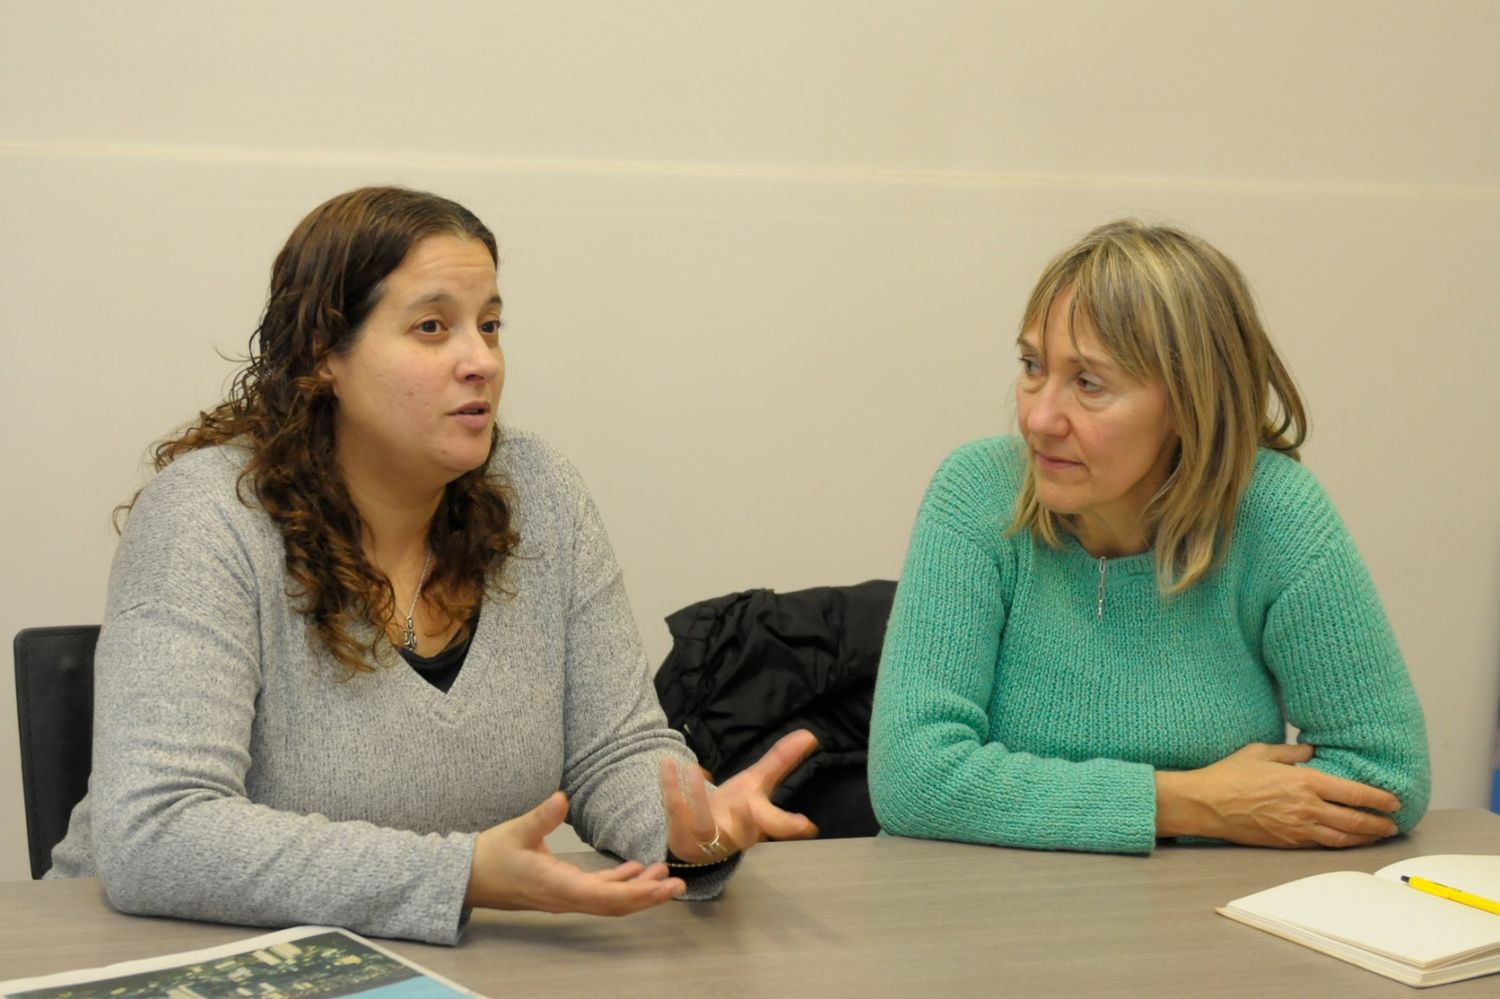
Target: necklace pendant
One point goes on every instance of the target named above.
(409, 633)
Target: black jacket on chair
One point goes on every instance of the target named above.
(747, 668)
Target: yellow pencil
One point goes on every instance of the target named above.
(1453, 894)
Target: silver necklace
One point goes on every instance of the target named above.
(409, 633)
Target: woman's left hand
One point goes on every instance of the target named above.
(704, 826)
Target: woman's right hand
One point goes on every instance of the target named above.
(1259, 797)
(513, 869)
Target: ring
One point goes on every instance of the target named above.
(713, 848)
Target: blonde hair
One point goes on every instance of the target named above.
(1171, 309)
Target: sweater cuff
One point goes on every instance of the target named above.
(451, 884)
(1132, 824)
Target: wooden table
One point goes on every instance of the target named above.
(866, 917)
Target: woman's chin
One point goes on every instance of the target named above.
(474, 454)
(459, 469)
(1060, 506)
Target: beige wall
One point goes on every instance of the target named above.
(762, 261)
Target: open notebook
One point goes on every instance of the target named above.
(1381, 924)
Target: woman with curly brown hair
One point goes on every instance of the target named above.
(363, 645)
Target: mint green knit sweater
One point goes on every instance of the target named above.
(1011, 710)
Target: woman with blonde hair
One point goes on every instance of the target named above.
(1105, 623)
(365, 645)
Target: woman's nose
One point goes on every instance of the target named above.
(481, 358)
(1044, 416)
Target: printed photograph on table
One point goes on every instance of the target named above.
(303, 962)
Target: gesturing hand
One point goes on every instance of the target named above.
(513, 869)
(704, 827)
(1258, 797)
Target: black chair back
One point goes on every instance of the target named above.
(747, 668)
(55, 711)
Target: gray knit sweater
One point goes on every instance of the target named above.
(239, 776)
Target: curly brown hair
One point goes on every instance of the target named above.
(324, 283)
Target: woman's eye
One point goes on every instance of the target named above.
(491, 327)
(1030, 368)
(430, 326)
(1089, 385)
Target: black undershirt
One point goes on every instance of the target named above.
(442, 669)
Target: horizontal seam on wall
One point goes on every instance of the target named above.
(833, 174)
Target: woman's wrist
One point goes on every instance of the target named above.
(477, 893)
(709, 852)
(1178, 810)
